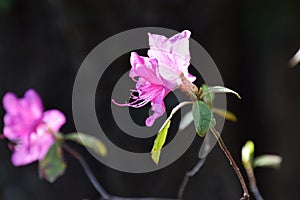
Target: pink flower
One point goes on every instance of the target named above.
(173, 57)
(29, 127)
(159, 73)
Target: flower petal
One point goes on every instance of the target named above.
(159, 50)
(190, 77)
(179, 45)
(33, 102)
(158, 106)
(21, 156)
(172, 54)
(144, 67)
(10, 103)
(169, 76)
(14, 127)
(22, 114)
(54, 119)
(33, 148)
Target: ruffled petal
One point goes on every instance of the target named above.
(169, 76)
(33, 103)
(21, 156)
(157, 41)
(144, 67)
(22, 114)
(30, 106)
(10, 103)
(33, 148)
(173, 56)
(158, 107)
(190, 77)
(14, 127)
(159, 50)
(42, 141)
(179, 48)
(54, 119)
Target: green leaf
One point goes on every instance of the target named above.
(208, 98)
(218, 89)
(203, 118)
(53, 165)
(247, 154)
(212, 123)
(88, 141)
(224, 113)
(272, 161)
(159, 142)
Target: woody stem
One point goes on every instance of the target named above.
(232, 163)
(87, 170)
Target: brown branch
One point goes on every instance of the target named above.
(232, 163)
(252, 183)
(96, 184)
(187, 177)
(88, 171)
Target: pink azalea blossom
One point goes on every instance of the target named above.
(173, 57)
(159, 73)
(29, 127)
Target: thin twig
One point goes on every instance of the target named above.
(106, 196)
(232, 163)
(182, 104)
(96, 184)
(187, 177)
(88, 171)
(182, 187)
(252, 183)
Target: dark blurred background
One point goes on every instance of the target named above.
(42, 44)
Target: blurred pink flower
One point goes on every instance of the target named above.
(160, 72)
(29, 127)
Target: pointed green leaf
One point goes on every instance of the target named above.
(53, 165)
(247, 154)
(208, 97)
(203, 118)
(225, 113)
(219, 89)
(159, 142)
(272, 161)
(88, 141)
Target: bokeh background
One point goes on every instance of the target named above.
(42, 44)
